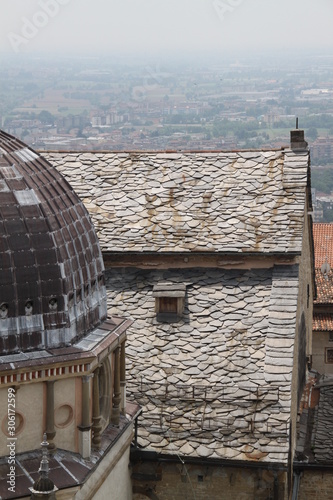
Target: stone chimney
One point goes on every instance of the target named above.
(297, 138)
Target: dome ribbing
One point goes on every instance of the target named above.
(51, 269)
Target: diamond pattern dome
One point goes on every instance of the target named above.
(52, 288)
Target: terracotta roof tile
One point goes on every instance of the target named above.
(324, 286)
(322, 322)
(323, 243)
(323, 249)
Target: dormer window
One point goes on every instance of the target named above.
(169, 301)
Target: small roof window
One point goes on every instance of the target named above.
(167, 289)
(169, 301)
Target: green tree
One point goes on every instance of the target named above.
(46, 117)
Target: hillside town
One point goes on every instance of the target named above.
(229, 105)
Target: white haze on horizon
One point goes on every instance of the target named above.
(152, 27)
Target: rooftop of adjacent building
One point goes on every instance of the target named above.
(232, 202)
(323, 243)
(51, 282)
(66, 469)
(323, 253)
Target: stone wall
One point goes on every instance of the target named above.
(321, 342)
(316, 485)
(180, 482)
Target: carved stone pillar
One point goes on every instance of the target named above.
(85, 427)
(116, 389)
(50, 430)
(96, 426)
(123, 378)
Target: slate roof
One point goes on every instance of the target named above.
(216, 383)
(239, 202)
(322, 437)
(315, 429)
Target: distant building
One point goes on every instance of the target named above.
(323, 305)
(322, 149)
(314, 458)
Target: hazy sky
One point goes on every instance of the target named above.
(156, 26)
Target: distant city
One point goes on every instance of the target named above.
(96, 104)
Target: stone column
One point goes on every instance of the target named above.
(50, 430)
(116, 389)
(96, 426)
(85, 427)
(123, 378)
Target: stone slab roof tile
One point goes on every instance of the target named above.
(211, 377)
(201, 191)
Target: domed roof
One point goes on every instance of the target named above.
(52, 288)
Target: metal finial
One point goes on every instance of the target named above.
(44, 464)
(296, 122)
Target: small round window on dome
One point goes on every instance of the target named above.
(28, 308)
(3, 310)
(53, 304)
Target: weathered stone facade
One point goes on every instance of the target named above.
(204, 481)
(316, 485)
